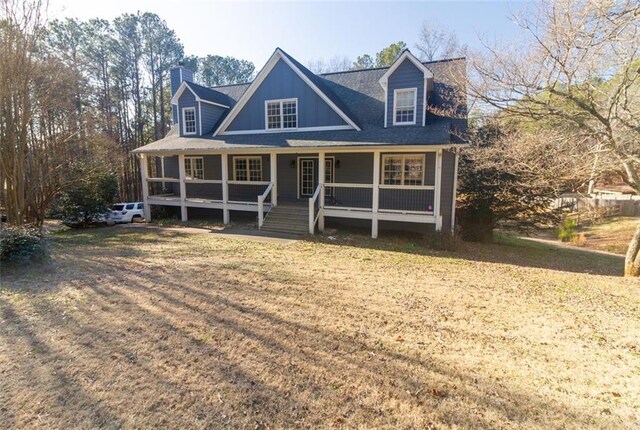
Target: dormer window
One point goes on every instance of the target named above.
(189, 120)
(281, 114)
(404, 106)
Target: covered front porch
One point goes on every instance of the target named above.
(377, 185)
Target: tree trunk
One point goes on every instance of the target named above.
(632, 261)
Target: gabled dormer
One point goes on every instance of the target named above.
(285, 96)
(406, 85)
(197, 110)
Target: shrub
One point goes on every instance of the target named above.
(88, 201)
(21, 244)
(567, 230)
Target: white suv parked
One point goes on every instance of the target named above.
(127, 212)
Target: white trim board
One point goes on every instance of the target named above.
(262, 75)
(185, 85)
(289, 130)
(184, 121)
(308, 150)
(406, 55)
(415, 105)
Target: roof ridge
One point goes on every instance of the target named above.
(443, 60)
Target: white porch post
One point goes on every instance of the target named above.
(321, 177)
(225, 188)
(183, 187)
(437, 192)
(273, 160)
(144, 173)
(375, 203)
(455, 190)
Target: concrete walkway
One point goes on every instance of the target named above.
(230, 233)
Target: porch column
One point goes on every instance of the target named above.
(183, 187)
(144, 172)
(321, 177)
(455, 190)
(225, 188)
(375, 202)
(437, 192)
(273, 160)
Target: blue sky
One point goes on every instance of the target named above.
(307, 30)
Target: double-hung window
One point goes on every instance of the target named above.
(403, 169)
(247, 169)
(404, 106)
(194, 167)
(189, 120)
(281, 114)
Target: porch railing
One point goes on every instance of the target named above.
(314, 209)
(164, 188)
(261, 199)
(417, 199)
(348, 196)
(246, 192)
(204, 189)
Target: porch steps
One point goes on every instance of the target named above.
(287, 219)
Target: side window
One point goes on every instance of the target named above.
(130, 206)
(140, 205)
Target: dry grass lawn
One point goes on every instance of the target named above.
(612, 235)
(127, 328)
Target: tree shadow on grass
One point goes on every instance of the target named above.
(515, 251)
(220, 352)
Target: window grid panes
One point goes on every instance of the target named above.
(189, 117)
(248, 169)
(282, 114)
(289, 114)
(194, 167)
(273, 115)
(405, 106)
(403, 170)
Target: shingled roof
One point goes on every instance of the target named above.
(359, 94)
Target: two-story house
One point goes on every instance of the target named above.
(297, 148)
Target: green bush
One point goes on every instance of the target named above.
(22, 244)
(567, 230)
(87, 201)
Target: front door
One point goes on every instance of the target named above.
(308, 175)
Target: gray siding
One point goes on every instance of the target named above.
(354, 168)
(446, 196)
(171, 169)
(187, 99)
(287, 178)
(281, 83)
(407, 75)
(210, 116)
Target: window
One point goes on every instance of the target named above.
(140, 206)
(403, 169)
(404, 106)
(247, 169)
(130, 206)
(281, 114)
(194, 167)
(189, 120)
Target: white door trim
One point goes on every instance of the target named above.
(315, 158)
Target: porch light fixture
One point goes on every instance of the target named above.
(293, 164)
(337, 164)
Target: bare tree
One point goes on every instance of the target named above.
(579, 75)
(436, 42)
(336, 63)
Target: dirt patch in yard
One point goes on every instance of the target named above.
(136, 329)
